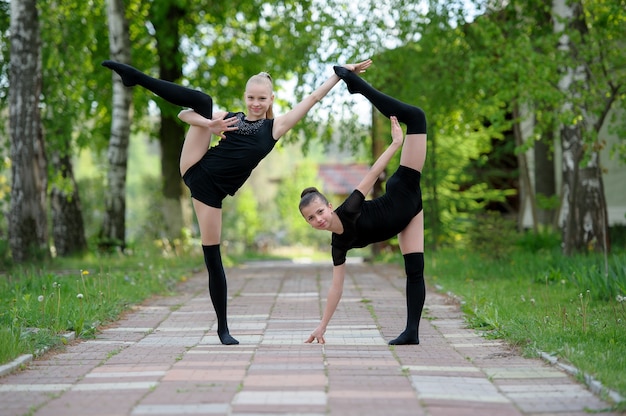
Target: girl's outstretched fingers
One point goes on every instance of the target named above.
(362, 66)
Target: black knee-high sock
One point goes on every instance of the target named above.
(174, 93)
(415, 296)
(218, 290)
(412, 116)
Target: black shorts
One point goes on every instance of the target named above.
(404, 186)
(202, 187)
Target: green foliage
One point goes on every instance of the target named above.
(297, 230)
(39, 305)
(468, 74)
(606, 283)
(92, 192)
(492, 235)
(241, 219)
(74, 85)
(543, 301)
(11, 343)
(456, 185)
(544, 240)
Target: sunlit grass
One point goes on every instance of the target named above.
(542, 301)
(41, 304)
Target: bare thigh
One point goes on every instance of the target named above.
(414, 151)
(197, 141)
(210, 222)
(411, 239)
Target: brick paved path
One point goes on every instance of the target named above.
(165, 359)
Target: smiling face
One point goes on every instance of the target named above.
(259, 98)
(318, 214)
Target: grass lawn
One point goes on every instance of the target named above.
(572, 308)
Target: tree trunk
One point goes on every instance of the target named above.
(113, 232)
(68, 228)
(171, 139)
(545, 181)
(526, 189)
(584, 211)
(172, 133)
(28, 234)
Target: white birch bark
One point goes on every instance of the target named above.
(583, 212)
(28, 234)
(114, 229)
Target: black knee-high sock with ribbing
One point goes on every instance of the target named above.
(174, 93)
(415, 296)
(412, 116)
(218, 291)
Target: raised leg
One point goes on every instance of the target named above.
(412, 116)
(176, 94)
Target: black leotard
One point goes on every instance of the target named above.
(366, 222)
(225, 167)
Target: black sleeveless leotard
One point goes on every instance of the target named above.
(225, 167)
(366, 222)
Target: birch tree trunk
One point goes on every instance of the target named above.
(583, 212)
(113, 232)
(28, 234)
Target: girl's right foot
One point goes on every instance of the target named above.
(128, 74)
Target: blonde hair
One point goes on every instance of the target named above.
(264, 78)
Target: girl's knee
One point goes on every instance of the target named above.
(416, 123)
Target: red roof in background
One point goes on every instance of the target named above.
(341, 178)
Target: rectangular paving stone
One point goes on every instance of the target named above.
(281, 397)
(181, 409)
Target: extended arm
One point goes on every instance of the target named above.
(367, 183)
(334, 296)
(284, 123)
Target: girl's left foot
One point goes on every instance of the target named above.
(226, 339)
(405, 339)
(348, 77)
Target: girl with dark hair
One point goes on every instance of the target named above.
(358, 223)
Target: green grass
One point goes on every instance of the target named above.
(39, 304)
(570, 307)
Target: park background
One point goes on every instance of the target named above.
(523, 182)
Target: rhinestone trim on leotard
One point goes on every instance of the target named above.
(249, 128)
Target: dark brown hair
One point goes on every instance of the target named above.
(308, 195)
